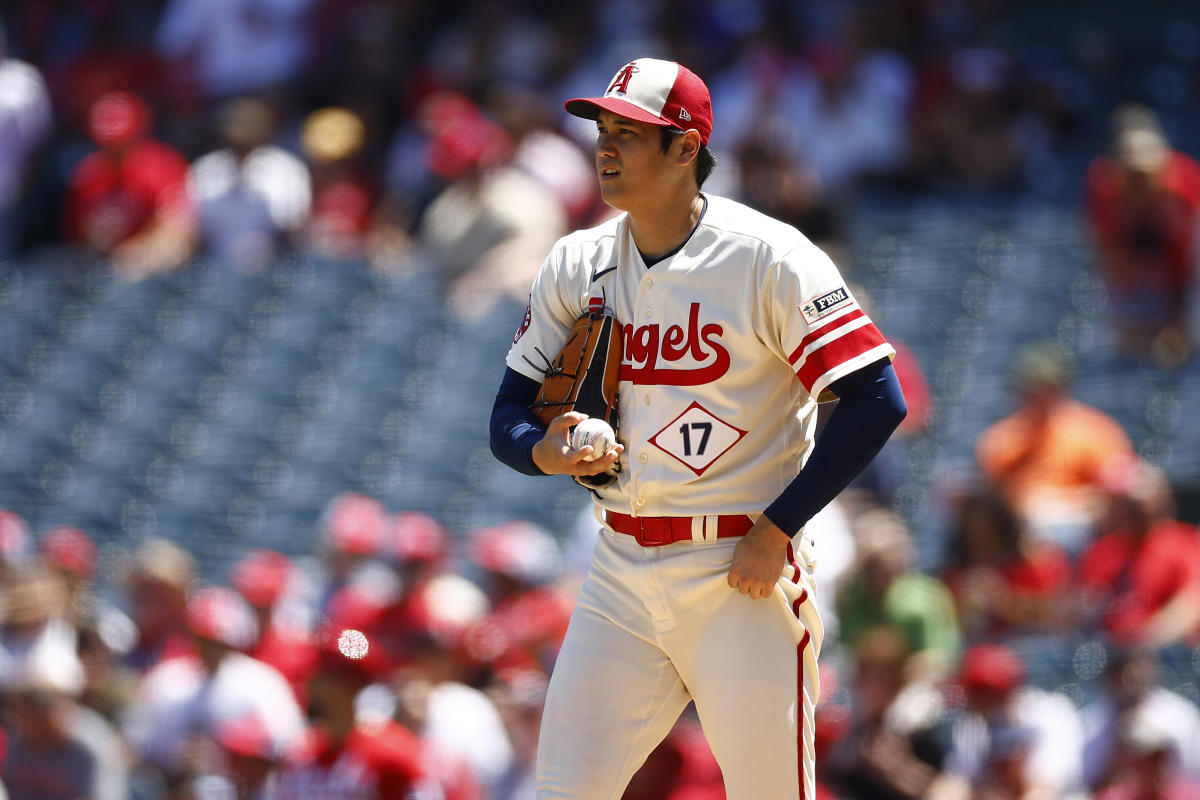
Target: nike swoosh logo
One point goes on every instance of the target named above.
(597, 275)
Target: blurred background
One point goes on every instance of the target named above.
(261, 261)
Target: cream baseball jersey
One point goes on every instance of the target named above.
(728, 344)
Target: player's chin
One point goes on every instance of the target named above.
(613, 193)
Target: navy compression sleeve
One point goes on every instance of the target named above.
(513, 429)
(870, 406)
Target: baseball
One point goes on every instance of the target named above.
(596, 432)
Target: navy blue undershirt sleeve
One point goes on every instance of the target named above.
(870, 406)
(513, 429)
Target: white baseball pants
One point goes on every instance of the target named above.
(655, 627)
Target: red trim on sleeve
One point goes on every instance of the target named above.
(838, 352)
(817, 333)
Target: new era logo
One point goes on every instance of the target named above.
(683, 115)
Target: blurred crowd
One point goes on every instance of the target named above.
(403, 659)
(148, 134)
(400, 658)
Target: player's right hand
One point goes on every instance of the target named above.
(553, 454)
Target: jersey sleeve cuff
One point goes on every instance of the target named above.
(820, 388)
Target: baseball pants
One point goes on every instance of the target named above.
(655, 627)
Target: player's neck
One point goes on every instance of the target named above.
(662, 229)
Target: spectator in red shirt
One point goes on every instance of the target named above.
(1140, 580)
(262, 577)
(351, 531)
(529, 612)
(1002, 579)
(1143, 202)
(342, 756)
(128, 200)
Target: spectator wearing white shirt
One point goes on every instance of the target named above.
(236, 46)
(1132, 691)
(57, 748)
(251, 196)
(183, 701)
(25, 122)
(457, 720)
(1013, 740)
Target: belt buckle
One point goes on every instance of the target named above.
(653, 531)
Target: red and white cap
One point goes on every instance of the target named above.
(417, 536)
(354, 523)
(69, 548)
(220, 614)
(656, 92)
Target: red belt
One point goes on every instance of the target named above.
(655, 531)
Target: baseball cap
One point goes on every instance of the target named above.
(354, 523)
(69, 548)
(262, 575)
(519, 549)
(247, 735)
(656, 92)
(220, 614)
(352, 655)
(991, 667)
(417, 536)
(118, 118)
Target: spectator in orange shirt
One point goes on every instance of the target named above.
(1140, 580)
(1048, 458)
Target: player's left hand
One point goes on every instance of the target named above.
(758, 559)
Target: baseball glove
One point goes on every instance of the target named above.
(583, 377)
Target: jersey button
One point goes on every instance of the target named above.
(643, 458)
(648, 312)
(641, 501)
(649, 282)
(647, 399)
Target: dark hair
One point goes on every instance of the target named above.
(987, 507)
(705, 160)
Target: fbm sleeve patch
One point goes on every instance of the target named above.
(824, 305)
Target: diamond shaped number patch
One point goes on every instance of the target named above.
(697, 438)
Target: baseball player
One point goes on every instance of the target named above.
(701, 584)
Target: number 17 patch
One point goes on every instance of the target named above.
(697, 438)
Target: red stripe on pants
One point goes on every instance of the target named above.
(800, 737)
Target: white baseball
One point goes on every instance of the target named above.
(596, 432)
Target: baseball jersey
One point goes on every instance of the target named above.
(728, 345)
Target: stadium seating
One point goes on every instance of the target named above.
(225, 410)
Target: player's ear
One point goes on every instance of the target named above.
(689, 147)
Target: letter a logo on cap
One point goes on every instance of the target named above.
(621, 82)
